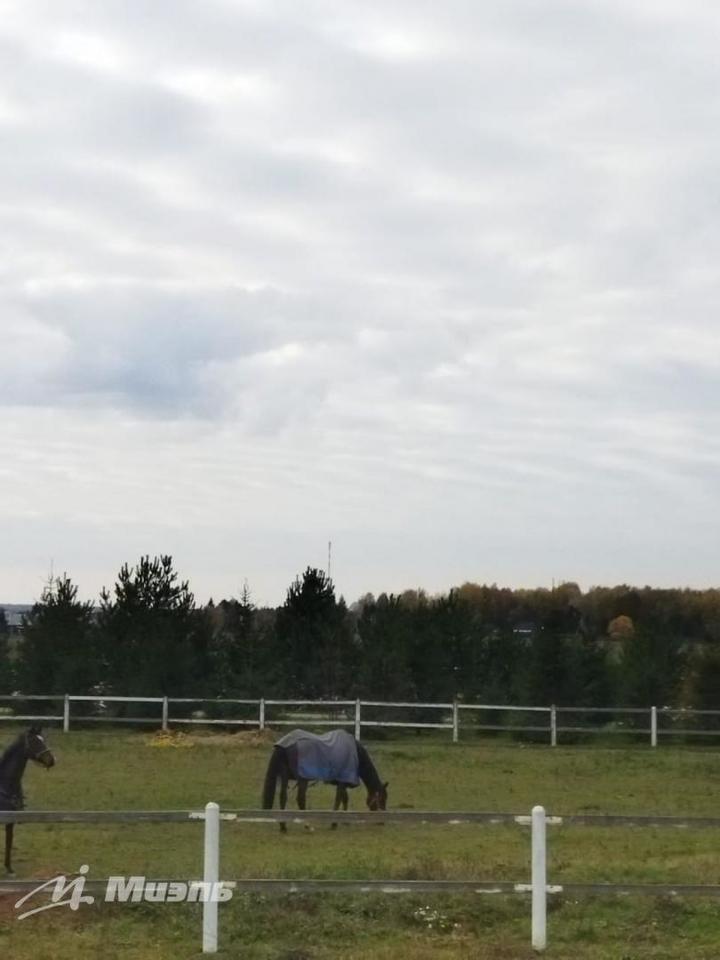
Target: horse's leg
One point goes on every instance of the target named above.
(302, 786)
(344, 798)
(9, 829)
(336, 804)
(283, 796)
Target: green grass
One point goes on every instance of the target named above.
(121, 770)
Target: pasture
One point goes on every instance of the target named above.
(121, 770)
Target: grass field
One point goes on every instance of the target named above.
(131, 770)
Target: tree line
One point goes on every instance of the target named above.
(486, 644)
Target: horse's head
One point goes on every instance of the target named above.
(36, 749)
(377, 799)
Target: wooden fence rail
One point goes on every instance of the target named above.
(456, 718)
(447, 817)
(538, 888)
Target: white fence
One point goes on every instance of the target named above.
(538, 887)
(650, 723)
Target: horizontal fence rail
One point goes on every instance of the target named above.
(279, 887)
(260, 816)
(550, 723)
(449, 817)
(538, 888)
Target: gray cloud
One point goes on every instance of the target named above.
(438, 278)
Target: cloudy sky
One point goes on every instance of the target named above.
(436, 281)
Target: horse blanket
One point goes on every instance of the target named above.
(330, 757)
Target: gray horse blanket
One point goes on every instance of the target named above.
(330, 757)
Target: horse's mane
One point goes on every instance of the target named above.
(12, 767)
(9, 751)
(366, 769)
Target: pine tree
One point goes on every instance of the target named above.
(58, 652)
(313, 639)
(153, 641)
(235, 653)
(7, 671)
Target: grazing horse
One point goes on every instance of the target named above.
(28, 746)
(335, 757)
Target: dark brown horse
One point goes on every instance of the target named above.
(289, 761)
(28, 746)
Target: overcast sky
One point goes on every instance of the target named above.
(437, 281)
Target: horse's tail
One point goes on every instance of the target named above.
(273, 772)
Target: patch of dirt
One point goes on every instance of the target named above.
(41, 875)
(7, 906)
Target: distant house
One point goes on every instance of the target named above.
(14, 613)
(526, 628)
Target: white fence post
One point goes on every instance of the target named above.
(653, 726)
(358, 723)
(553, 726)
(539, 879)
(66, 714)
(456, 722)
(165, 713)
(211, 876)
(261, 719)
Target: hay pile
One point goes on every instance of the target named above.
(244, 738)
